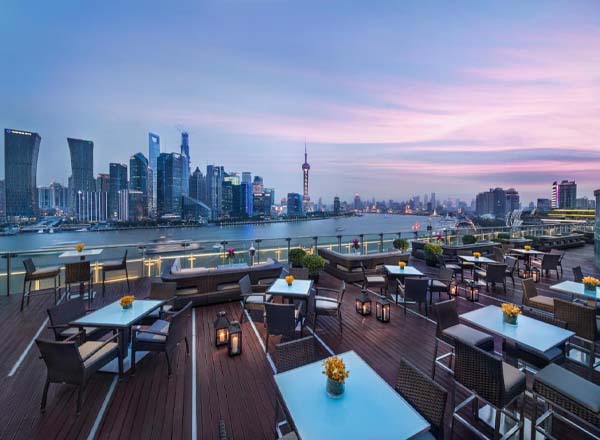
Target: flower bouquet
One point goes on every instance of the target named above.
(79, 247)
(590, 283)
(336, 372)
(127, 301)
(289, 280)
(510, 313)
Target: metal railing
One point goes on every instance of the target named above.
(147, 260)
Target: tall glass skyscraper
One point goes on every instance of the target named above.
(185, 153)
(82, 167)
(139, 181)
(169, 183)
(118, 182)
(214, 189)
(153, 153)
(21, 149)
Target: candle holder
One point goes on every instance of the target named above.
(363, 304)
(382, 310)
(235, 339)
(221, 329)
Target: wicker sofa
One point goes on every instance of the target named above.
(211, 285)
(347, 266)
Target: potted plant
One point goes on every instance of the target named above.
(356, 245)
(510, 313)
(296, 257)
(401, 244)
(127, 301)
(469, 239)
(79, 247)
(431, 254)
(336, 372)
(230, 254)
(314, 264)
(590, 283)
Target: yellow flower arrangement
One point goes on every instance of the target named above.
(402, 264)
(79, 247)
(335, 369)
(590, 283)
(527, 247)
(477, 254)
(126, 301)
(289, 280)
(511, 309)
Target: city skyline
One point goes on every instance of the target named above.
(426, 99)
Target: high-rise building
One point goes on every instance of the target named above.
(336, 205)
(153, 153)
(497, 202)
(247, 179)
(305, 170)
(294, 205)
(103, 182)
(185, 153)
(140, 179)
(357, 202)
(214, 189)
(21, 149)
(227, 199)
(137, 208)
(564, 194)
(2, 201)
(198, 186)
(90, 206)
(82, 165)
(53, 197)
(597, 229)
(544, 205)
(513, 201)
(169, 183)
(118, 182)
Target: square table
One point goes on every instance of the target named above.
(116, 317)
(577, 289)
(300, 289)
(84, 253)
(474, 260)
(368, 409)
(536, 335)
(527, 254)
(394, 271)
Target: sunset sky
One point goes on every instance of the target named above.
(394, 98)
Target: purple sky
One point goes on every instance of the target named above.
(394, 98)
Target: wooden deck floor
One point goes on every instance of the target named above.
(239, 390)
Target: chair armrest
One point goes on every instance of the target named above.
(93, 352)
(246, 295)
(261, 288)
(151, 332)
(75, 335)
(326, 289)
(53, 327)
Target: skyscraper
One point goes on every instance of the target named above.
(564, 194)
(139, 176)
(82, 165)
(305, 170)
(198, 186)
(247, 180)
(336, 205)
(118, 182)
(153, 153)
(185, 153)
(169, 183)
(294, 204)
(102, 182)
(2, 201)
(214, 189)
(21, 149)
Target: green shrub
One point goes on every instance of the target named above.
(314, 263)
(469, 239)
(400, 244)
(431, 253)
(296, 257)
(503, 235)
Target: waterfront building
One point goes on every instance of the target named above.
(294, 205)
(544, 205)
(358, 205)
(185, 154)
(564, 194)
(262, 202)
(53, 197)
(513, 201)
(214, 189)
(103, 182)
(90, 206)
(169, 183)
(197, 186)
(123, 210)
(21, 149)
(2, 201)
(497, 202)
(194, 210)
(140, 178)
(240, 200)
(227, 199)
(257, 185)
(137, 205)
(82, 165)
(305, 171)
(153, 153)
(247, 177)
(336, 205)
(117, 182)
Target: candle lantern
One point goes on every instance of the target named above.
(363, 304)
(382, 310)
(535, 274)
(453, 288)
(221, 329)
(235, 338)
(473, 291)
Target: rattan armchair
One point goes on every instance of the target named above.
(162, 291)
(441, 284)
(547, 263)
(580, 319)
(532, 299)
(282, 320)
(113, 266)
(577, 274)
(251, 298)
(426, 396)
(512, 264)
(32, 274)
(372, 280)
(495, 273)
(71, 364)
(414, 289)
(63, 314)
(294, 354)
(328, 306)
(80, 274)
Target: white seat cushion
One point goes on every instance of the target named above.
(258, 299)
(325, 303)
(375, 279)
(176, 267)
(158, 326)
(88, 347)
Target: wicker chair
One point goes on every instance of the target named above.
(414, 289)
(465, 264)
(491, 380)
(577, 274)
(580, 319)
(113, 266)
(512, 264)
(327, 306)
(498, 254)
(534, 358)
(442, 262)
(66, 312)
(494, 273)
(547, 263)
(560, 258)
(251, 299)
(79, 273)
(532, 299)
(162, 336)
(294, 354)
(71, 364)
(426, 396)
(441, 283)
(32, 274)
(372, 280)
(449, 328)
(282, 320)
(163, 292)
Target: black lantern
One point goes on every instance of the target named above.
(472, 290)
(531, 272)
(235, 339)
(363, 304)
(382, 310)
(453, 288)
(221, 329)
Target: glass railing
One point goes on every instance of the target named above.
(149, 259)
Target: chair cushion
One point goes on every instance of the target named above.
(375, 279)
(47, 271)
(258, 299)
(546, 300)
(325, 303)
(89, 346)
(176, 267)
(186, 292)
(438, 284)
(481, 273)
(158, 326)
(514, 382)
(108, 265)
(470, 336)
(73, 330)
(570, 385)
(452, 266)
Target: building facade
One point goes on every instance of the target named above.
(169, 183)
(82, 166)
(294, 205)
(564, 194)
(597, 229)
(140, 180)
(153, 153)
(21, 150)
(117, 182)
(214, 189)
(185, 154)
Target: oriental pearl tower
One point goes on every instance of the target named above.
(305, 170)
